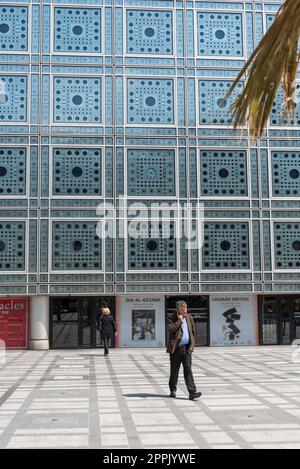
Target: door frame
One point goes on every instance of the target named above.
(279, 317)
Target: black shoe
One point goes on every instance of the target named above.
(173, 394)
(105, 354)
(195, 395)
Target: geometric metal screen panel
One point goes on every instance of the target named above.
(76, 171)
(278, 116)
(151, 172)
(77, 30)
(12, 171)
(13, 28)
(223, 173)
(150, 101)
(226, 245)
(287, 245)
(76, 246)
(220, 34)
(149, 32)
(13, 98)
(214, 108)
(77, 100)
(286, 173)
(12, 245)
(153, 248)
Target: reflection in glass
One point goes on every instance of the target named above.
(285, 309)
(65, 324)
(297, 319)
(269, 321)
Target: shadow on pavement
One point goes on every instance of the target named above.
(145, 395)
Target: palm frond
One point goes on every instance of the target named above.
(274, 62)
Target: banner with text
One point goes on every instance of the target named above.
(233, 320)
(14, 322)
(141, 321)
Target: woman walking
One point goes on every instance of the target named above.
(107, 328)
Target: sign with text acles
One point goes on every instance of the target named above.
(14, 322)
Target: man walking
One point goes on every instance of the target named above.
(180, 347)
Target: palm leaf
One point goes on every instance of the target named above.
(274, 62)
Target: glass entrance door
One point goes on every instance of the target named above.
(279, 320)
(269, 320)
(74, 321)
(63, 323)
(87, 322)
(285, 320)
(296, 319)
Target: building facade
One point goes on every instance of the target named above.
(120, 104)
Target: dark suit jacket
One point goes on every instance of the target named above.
(175, 332)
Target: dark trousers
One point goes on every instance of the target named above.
(181, 355)
(106, 340)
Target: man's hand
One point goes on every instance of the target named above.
(116, 334)
(179, 317)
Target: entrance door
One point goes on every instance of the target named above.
(269, 320)
(279, 320)
(285, 320)
(198, 308)
(296, 319)
(87, 310)
(63, 323)
(74, 321)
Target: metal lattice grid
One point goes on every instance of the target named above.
(77, 171)
(76, 246)
(12, 246)
(77, 100)
(269, 20)
(151, 173)
(13, 28)
(13, 98)
(12, 171)
(214, 108)
(278, 116)
(149, 32)
(223, 173)
(150, 101)
(286, 173)
(77, 30)
(287, 245)
(220, 34)
(152, 246)
(226, 246)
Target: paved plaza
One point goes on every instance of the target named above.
(81, 399)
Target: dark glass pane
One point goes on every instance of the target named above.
(64, 323)
(296, 319)
(285, 309)
(269, 321)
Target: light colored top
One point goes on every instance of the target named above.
(185, 329)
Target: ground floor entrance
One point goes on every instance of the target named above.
(74, 321)
(279, 318)
(142, 320)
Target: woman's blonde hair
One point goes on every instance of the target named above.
(105, 311)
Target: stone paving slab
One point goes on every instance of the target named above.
(81, 399)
